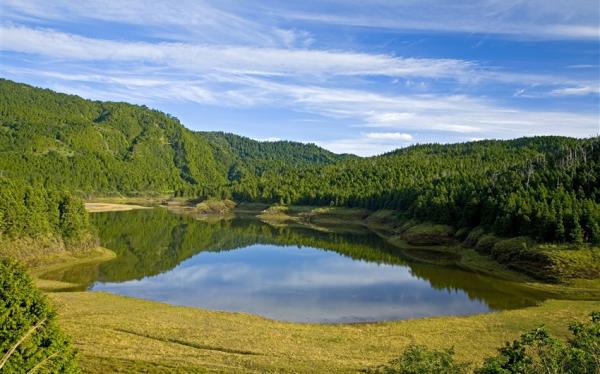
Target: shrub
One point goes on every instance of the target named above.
(533, 353)
(418, 359)
(474, 236)
(29, 336)
(538, 352)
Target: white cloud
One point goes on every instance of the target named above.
(532, 19)
(230, 59)
(368, 144)
(258, 22)
(451, 114)
(199, 21)
(258, 61)
(576, 91)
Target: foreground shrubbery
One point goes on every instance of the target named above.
(533, 353)
(30, 340)
(417, 359)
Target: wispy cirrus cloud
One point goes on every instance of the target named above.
(389, 136)
(200, 21)
(269, 55)
(530, 19)
(207, 58)
(258, 22)
(222, 58)
(576, 91)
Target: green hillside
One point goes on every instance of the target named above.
(107, 147)
(546, 188)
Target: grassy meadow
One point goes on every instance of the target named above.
(121, 334)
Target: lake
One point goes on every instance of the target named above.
(284, 273)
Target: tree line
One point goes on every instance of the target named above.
(544, 187)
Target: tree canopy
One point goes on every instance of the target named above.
(30, 339)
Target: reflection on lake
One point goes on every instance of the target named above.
(285, 273)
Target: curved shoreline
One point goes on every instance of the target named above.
(118, 332)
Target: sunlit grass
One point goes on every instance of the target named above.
(120, 333)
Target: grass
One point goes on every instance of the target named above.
(582, 261)
(120, 334)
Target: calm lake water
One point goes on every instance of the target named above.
(285, 273)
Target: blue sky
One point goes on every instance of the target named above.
(352, 76)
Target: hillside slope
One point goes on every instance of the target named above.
(106, 147)
(543, 187)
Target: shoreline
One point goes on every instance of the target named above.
(133, 334)
(410, 237)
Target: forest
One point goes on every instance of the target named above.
(546, 188)
(34, 211)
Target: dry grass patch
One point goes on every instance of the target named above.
(111, 207)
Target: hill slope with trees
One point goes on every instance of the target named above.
(547, 188)
(106, 147)
(544, 187)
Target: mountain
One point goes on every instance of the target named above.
(547, 188)
(544, 187)
(105, 147)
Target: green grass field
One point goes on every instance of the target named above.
(120, 334)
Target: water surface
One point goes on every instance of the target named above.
(285, 273)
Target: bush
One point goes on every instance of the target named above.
(533, 353)
(29, 336)
(538, 352)
(418, 359)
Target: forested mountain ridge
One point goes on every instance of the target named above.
(104, 147)
(547, 188)
(259, 157)
(544, 187)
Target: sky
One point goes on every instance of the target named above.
(361, 77)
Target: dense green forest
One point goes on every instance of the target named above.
(104, 147)
(34, 211)
(544, 187)
(547, 188)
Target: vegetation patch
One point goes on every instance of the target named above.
(429, 234)
(536, 351)
(30, 340)
(582, 262)
(212, 206)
